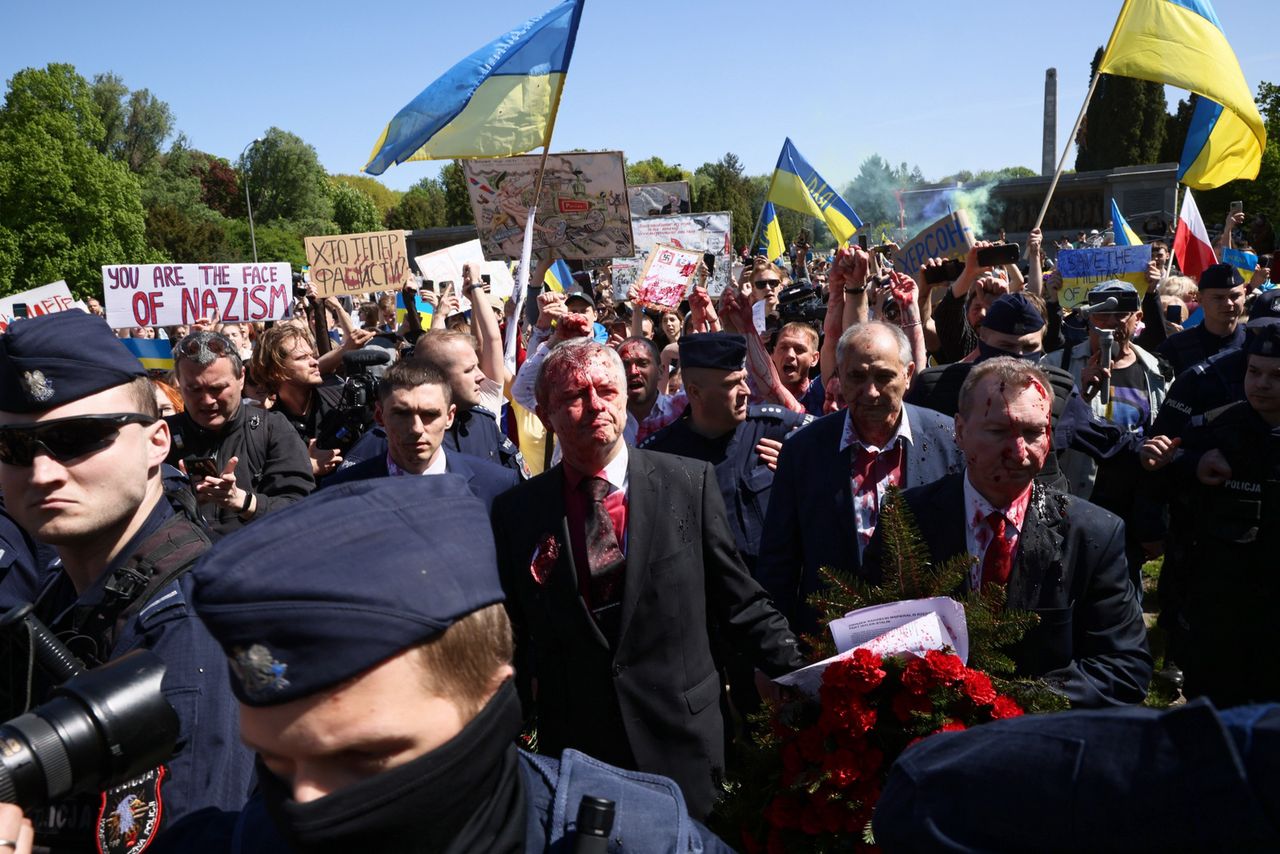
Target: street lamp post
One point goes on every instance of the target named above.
(244, 166)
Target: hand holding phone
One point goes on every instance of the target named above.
(999, 254)
(201, 466)
(948, 271)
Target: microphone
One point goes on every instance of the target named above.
(1106, 342)
(364, 359)
(1109, 304)
(595, 823)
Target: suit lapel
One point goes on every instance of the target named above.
(643, 507)
(1039, 550)
(567, 598)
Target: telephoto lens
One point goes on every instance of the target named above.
(103, 727)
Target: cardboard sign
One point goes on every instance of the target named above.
(667, 275)
(45, 299)
(949, 237)
(701, 232)
(445, 265)
(669, 197)
(582, 209)
(1081, 269)
(172, 294)
(358, 263)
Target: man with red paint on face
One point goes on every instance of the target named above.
(1055, 555)
(618, 565)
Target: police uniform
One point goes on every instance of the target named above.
(1192, 346)
(474, 432)
(309, 625)
(743, 477)
(141, 600)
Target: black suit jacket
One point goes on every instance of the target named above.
(650, 702)
(485, 479)
(1070, 568)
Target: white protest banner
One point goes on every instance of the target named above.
(701, 232)
(172, 294)
(1081, 269)
(358, 263)
(667, 275)
(445, 265)
(669, 197)
(45, 299)
(949, 237)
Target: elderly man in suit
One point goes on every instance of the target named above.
(832, 475)
(618, 564)
(1056, 555)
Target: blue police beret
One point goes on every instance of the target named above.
(53, 359)
(721, 351)
(1220, 276)
(317, 593)
(1013, 314)
(1262, 337)
(1126, 295)
(1265, 304)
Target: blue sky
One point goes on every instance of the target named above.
(924, 82)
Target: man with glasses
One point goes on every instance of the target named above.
(247, 461)
(81, 456)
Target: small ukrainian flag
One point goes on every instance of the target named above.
(155, 354)
(559, 277)
(1125, 236)
(772, 246)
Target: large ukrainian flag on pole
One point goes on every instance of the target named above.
(499, 101)
(797, 186)
(772, 246)
(1180, 43)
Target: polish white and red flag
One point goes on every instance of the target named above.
(1191, 241)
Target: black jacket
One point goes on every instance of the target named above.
(485, 479)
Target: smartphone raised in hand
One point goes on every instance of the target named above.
(948, 271)
(1000, 254)
(428, 286)
(198, 466)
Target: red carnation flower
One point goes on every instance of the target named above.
(852, 717)
(916, 677)
(944, 667)
(841, 766)
(1005, 707)
(860, 672)
(978, 687)
(905, 702)
(952, 725)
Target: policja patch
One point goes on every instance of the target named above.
(130, 814)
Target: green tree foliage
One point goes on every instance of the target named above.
(457, 201)
(65, 207)
(383, 196)
(424, 205)
(178, 236)
(220, 186)
(135, 124)
(722, 186)
(654, 170)
(1124, 125)
(353, 209)
(286, 180)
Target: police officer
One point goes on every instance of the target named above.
(1230, 462)
(719, 427)
(81, 454)
(1222, 295)
(382, 708)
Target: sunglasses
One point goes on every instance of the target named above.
(767, 283)
(64, 439)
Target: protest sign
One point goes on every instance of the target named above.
(445, 265)
(669, 197)
(1081, 269)
(358, 263)
(949, 237)
(172, 294)
(667, 275)
(45, 299)
(582, 209)
(1243, 261)
(701, 232)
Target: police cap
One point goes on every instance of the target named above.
(721, 351)
(57, 358)
(1262, 337)
(1126, 295)
(1265, 304)
(1013, 314)
(1220, 276)
(313, 595)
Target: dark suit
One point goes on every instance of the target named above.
(650, 702)
(485, 479)
(810, 522)
(1070, 569)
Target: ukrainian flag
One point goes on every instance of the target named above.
(1244, 262)
(559, 277)
(155, 354)
(499, 101)
(1125, 236)
(425, 309)
(772, 246)
(1180, 43)
(797, 186)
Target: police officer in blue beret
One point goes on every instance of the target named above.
(380, 702)
(81, 454)
(721, 427)
(1222, 293)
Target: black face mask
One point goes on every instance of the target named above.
(463, 796)
(986, 351)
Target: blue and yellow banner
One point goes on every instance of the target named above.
(155, 354)
(425, 310)
(798, 187)
(1125, 236)
(1082, 269)
(772, 246)
(1181, 43)
(1244, 262)
(499, 101)
(559, 277)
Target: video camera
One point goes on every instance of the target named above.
(342, 427)
(800, 304)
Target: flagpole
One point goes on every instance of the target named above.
(1062, 161)
(1168, 267)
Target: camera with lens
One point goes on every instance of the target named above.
(343, 426)
(800, 304)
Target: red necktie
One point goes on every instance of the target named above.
(604, 557)
(997, 563)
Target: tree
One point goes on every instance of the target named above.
(424, 205)
(722, 186)
(383, 196)
(1124, 124)
(65, 207)
(353, 208)
(457, 201)
(135, 125)
(179, 237)
(286, 180)
(220, 186)
(654, 171)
